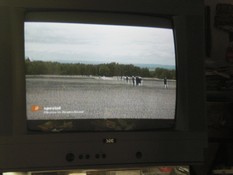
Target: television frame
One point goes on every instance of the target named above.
(21, 149)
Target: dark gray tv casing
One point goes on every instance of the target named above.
(21, 150)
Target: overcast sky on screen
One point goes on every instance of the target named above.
(73, 43)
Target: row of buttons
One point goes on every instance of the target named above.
(71, 157)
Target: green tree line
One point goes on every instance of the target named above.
(110, 69)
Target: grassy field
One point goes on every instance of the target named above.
(63, 97)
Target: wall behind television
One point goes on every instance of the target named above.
(219, 38)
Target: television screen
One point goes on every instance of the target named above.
(83, 76)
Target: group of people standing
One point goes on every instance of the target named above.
(137, 81)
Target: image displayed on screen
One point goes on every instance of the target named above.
(93, 71)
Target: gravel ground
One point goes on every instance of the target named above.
(99, 98)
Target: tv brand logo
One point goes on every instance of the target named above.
(109, 140)
(36, 108)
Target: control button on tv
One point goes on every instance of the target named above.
(138, 155)
(70, 157)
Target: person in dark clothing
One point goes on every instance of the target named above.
(165, 82)
(137, 80)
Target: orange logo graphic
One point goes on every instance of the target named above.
(35, 108)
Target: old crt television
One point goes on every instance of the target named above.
(101, 84)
